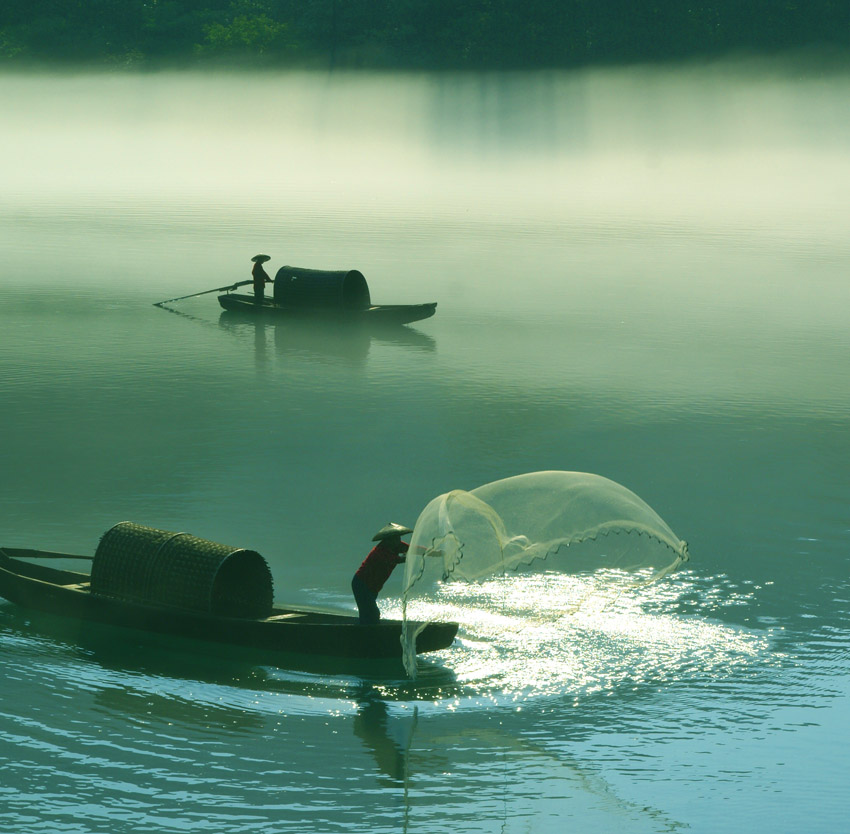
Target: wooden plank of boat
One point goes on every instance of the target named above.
(373, 314)
(294, 630)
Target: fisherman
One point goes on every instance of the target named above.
(376, 570)
(260, 277)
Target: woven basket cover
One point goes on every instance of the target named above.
(147, 566)
(328, 289)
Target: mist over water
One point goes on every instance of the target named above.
(640, 273)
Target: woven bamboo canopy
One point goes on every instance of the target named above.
(147, 566)
(328, 289)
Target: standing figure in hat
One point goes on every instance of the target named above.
(260, 277)
(376, 570)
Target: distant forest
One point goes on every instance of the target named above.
(408, 34)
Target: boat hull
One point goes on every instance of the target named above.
(390, 314)
(289, 630)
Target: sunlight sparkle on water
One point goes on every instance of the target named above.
(550, 634)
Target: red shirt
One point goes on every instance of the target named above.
(378, 566)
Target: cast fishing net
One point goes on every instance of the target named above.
(572, 523)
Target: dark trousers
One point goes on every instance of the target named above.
(365, 599)
(259, 293)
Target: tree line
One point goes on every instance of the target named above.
(409, 34)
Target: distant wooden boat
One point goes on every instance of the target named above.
(279, 629)
(341, 295)
(384, 314)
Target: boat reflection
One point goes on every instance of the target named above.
(341, 341)
(172, 708)
(149, 654)
(197, 695)
(388, 736)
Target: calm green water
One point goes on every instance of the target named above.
(639, 274)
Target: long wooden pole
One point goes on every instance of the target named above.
(204, 292)
(25, 553)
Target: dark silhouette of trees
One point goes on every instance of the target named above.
(433, 34)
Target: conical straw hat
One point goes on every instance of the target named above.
(390, 531)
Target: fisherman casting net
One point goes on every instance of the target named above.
(573, 523)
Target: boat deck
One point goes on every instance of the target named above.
(67, 593)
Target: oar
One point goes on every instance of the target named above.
(41, 554)
(192, 295)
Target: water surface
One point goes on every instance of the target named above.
(640, 274)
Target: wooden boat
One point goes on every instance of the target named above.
(384, 314)
(293, 630)
(341, 295)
